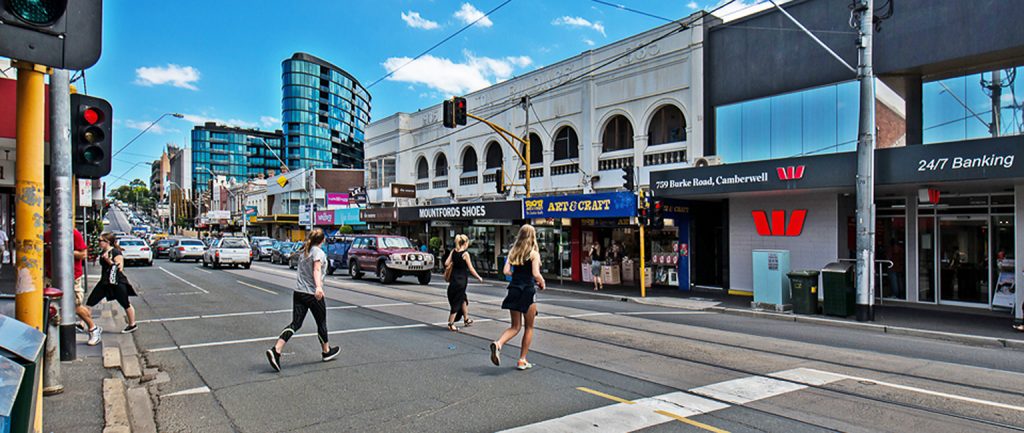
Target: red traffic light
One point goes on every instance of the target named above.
(91, 115)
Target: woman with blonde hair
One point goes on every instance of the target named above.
(308, 295)
(523, 265)
(461, 264)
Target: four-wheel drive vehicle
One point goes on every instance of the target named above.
(135, 250)
(187, 249)
(229, 251)
(388, 257)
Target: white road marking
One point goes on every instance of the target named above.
(257, 287)
(243, 313)
(179, 293)
(662, 313)
(203, 270)
(259, 339)
(183, 280)
(622, 417)
(589, 315)
(193, 391)
(747, 389)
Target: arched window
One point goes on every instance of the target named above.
(494, 156)
(667, 126)
(469, 164)
(536, 149)
(567, 144)
(422, 169)
(441, 166)
(618, 134)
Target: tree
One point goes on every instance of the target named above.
(135, 194)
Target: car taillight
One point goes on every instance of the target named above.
(144, 249)
(181, 248)
(250, 253)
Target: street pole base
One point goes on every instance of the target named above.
(53, 390)
(865, 313)
(68, 348)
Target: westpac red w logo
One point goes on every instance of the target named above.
(777, 226)
(793, 172)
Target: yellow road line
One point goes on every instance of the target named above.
(686, 420)
(608, 396)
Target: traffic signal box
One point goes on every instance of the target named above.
(91, 136)
(62, 34)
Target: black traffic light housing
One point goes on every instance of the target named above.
(499, 181)
(91, 136)
(460, 110)
(64, 34)
(628, 180)
(448, 114)
(657, 214)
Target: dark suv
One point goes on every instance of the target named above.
(388, 257)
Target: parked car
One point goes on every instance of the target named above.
(263, 249)
(337, 253)
(135, 250)
(162, 248)
(228, 251)
(389, 257)
(187, 249)
(283, 252)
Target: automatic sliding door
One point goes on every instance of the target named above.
(964, 265)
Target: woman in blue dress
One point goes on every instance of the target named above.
(523, 265)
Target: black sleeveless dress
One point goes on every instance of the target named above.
(522, 290)
(457, 285)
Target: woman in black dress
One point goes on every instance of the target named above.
(113, 284)
(523, 265)
(462, 268)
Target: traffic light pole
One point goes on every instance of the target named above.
(62, 229)
(505, 134)
(643, 256)
(28, 212)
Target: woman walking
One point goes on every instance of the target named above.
(308, 296)
(523, 265)
(113, 284)
(596, 260)
(462, 267)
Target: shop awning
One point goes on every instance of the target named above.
(277, 219)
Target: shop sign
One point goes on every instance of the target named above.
(777, 224)
(492, 222)
(601, 205)
(989, 158)
(512, 210)
(402, 190)
(337, 199)
(218, 214)
(440, 223)
(606, 222)
(84, 191)
(347, 217)
(822, 171)
(250, 211)
(378, 214)
(325, 218)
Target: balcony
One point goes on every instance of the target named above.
(443, 183)
(473, 179)
(570, 168)
(664, 158)
(534, 173)
(422, 186)
(615, 163)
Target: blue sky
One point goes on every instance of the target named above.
(221, 60)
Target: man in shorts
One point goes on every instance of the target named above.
(81, 253)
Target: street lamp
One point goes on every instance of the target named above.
(272, 151)
(152, 124)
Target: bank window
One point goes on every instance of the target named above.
(810, 122)
(987, 104)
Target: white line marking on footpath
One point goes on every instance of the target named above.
(622, 417)
(193, 391)
(184, 281)
(747, 389)
(257, 287)
(259, 339)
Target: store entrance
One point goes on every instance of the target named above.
(964, 260)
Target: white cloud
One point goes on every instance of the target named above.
(177, 76)
(468, 13)
(200, 119)
(455, 78)
(589, 42)
(579, 22)
(692, 5)
(155, 129)
(270, 122)
(414, 20)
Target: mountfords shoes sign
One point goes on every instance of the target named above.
(507, 210)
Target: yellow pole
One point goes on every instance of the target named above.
(528, 154)
(28, 212)
(643, 259)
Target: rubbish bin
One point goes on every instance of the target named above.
(804, 286)
(837, 286)
(20, 346)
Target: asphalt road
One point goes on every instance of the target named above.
(118, 221)
(600, 365)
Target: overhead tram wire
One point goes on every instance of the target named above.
(428, 50)
(515, 103)
(628, 9)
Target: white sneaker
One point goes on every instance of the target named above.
(95, 336)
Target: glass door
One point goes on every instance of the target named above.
(963, 260)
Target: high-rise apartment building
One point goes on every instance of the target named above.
(234, 153)
(325, 111)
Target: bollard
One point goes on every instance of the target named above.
(51, 359)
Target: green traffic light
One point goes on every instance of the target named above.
(38, 12)
(93, 154)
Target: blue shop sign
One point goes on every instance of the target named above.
(347, 217)
(601, 205)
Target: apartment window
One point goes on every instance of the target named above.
(667, 126)
(567, 144)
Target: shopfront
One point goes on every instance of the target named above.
(379, 220)
(490, 226)
(944, 227)
(333, 220)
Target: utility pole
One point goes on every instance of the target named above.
(526, 137)
(63, 225)
(312, 197)
(865, 281)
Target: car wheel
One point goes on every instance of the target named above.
(197, 261)
(424, 278)
(247, 265)
(354, 271)
(386, 275)
(205, 264)
(150, 263)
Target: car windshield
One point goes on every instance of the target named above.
(233, 243)
(265, 243)
(396, 243)
(164, 243)
(131, 243)
(288, 246)
(193, 243)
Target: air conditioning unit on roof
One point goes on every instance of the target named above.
(707, 161)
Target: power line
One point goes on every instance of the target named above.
(628, 9)
(428, 50)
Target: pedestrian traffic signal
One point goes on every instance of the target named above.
(627, 178)
(499, 181)
(91, 138)
(63, 34)
(460, 110)
(448, 115)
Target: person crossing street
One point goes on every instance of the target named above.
(523, 265)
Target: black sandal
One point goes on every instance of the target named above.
(468, 322)
(452, 327)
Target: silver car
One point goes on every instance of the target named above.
(187, 249)
(228, 251)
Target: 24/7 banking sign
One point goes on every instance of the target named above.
(601, 205)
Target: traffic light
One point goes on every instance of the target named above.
(460, 110)
(657, 214)
(499, 181)
(62, 34)
(91, 137)
(642, 217)
(627, 178)
(448, 117)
